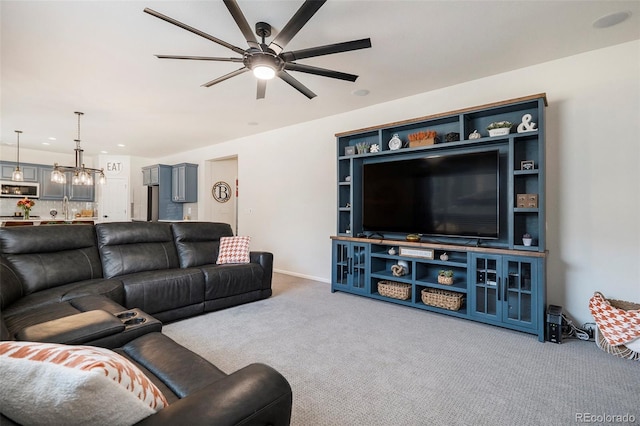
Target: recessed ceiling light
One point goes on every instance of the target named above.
(611, 19)
(51, 138)
(46, 143)
(360, 92)
(121, 145)
(104, 152)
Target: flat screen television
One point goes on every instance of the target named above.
(441, 195)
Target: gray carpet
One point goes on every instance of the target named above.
(355, 361)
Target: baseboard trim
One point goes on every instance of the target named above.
(309, 277)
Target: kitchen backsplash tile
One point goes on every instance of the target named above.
(8, 207)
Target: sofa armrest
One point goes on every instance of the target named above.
(254, 395)
(264, 259)
(73, 329)
(10, 284)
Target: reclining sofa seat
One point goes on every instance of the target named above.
(169, 270)
(198, 245)
(47, 274)
(143, 256)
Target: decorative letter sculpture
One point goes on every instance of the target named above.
(527, 125)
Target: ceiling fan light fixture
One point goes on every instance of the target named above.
(270, 60)
(264, 72)
(263, 65)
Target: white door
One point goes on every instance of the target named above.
(114, 205)
(223, 191)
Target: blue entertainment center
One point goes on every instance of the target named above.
(476, 202)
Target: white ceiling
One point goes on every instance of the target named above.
(98, 57)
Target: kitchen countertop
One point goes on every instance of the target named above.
(16, 217)
(38, 220)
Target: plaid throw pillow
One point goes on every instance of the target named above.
(233, 250)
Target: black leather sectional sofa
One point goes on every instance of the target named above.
(113, 284)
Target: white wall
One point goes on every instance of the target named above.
(288, 175)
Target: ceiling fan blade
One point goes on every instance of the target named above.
(199, 58)
(193, 30)
(306, 11)
(296, 84)
(290, 66)
(226, 77)
(242, 23)
(262, 89)
(328, 49)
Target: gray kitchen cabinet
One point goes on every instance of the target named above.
(184, 183)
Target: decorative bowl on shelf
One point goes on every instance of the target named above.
(414, 238)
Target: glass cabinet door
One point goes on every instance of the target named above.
(341, 265)
(358, 269)
(350, 262)
(520, 293)
(486, 286)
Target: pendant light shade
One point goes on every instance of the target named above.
(17, 175)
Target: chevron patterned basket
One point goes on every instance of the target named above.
(620, 350)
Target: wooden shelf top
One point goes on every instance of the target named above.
(448, 113)
(447, 247)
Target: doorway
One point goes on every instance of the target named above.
(114, 201)
(222, 205)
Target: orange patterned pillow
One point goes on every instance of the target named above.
(46, 383)
(233, 250)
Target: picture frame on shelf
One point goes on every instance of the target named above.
(349, 150)
(527, 165)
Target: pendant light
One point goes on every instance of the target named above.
(81, 175)
(17, 175)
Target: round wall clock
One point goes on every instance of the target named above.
(221, 192)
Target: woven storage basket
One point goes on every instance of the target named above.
(620, 350)
(442, 298)
(394, 290)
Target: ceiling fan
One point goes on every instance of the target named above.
(270, 60)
